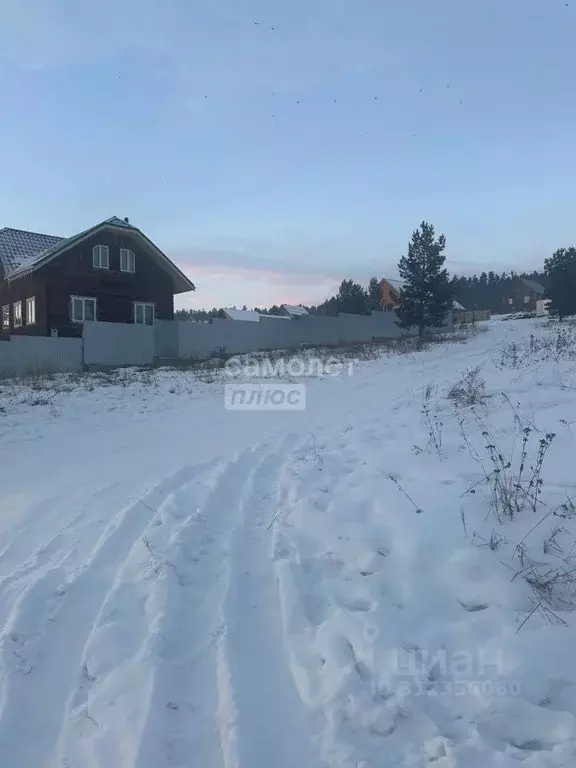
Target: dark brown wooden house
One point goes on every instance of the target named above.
(111, 272)
(524, 295)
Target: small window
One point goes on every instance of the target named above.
(31, 311)
(511, 301)
(143, 313)
(6, 316)
(127, 260)
(100, 257)
(82, 308)
(17, 314)
(526, 299)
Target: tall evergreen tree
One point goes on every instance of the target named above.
(352, 298)
(374, 295)
(426, 295)
(560, 271)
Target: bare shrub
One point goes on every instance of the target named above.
(35, 401)
(432, 420)
(514, 480)
(514, 484)
(405, 493)
(493, 543)
(470, 390)
(556, 344)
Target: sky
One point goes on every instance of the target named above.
(273, 148)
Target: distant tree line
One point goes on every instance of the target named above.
(428, 291)
(352, 298)
(205, 315)
(198, 315)
(274, 310)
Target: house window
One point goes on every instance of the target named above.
(127, 260)
(101, 257)
(526, 299)
(143, 313)
(31, 310)
(6, 317)
(82, 308)
(17, 314)
(511, 300)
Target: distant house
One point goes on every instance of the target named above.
(250, 316)
(111, 272)
(524, 296)
(292, 310)
(246, 315)
(390, 295)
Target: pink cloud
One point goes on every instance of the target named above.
(254, 286)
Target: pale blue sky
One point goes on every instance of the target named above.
(270, 163)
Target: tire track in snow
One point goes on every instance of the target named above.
(181, 728)
(19, 569)
(42, 643)
(263, 721)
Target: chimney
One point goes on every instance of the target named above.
(126, 220)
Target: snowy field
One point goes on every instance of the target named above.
(383, 579)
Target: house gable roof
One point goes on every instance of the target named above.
(295, 310)
(20, 249)
(250, 315)
(397, 286)
(533, 285)
(242, 314)
(24, 252)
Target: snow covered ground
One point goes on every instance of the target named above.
(348, 586)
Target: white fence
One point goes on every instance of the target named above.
(120, 344)
(39, 354)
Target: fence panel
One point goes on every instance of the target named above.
(118, 344)
(236, 336)
(471, 315)
(24, 355)
(165, 340)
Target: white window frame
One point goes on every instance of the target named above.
(526, 299)
(83, 299)
(30, 302)
(6, 317)
(101, 257)
(144, 305)
(511, 301)
(17, 314)
(130, 263)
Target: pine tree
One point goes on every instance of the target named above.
(426, 295)
(560, 272)
(374, 295)
(352, 298)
